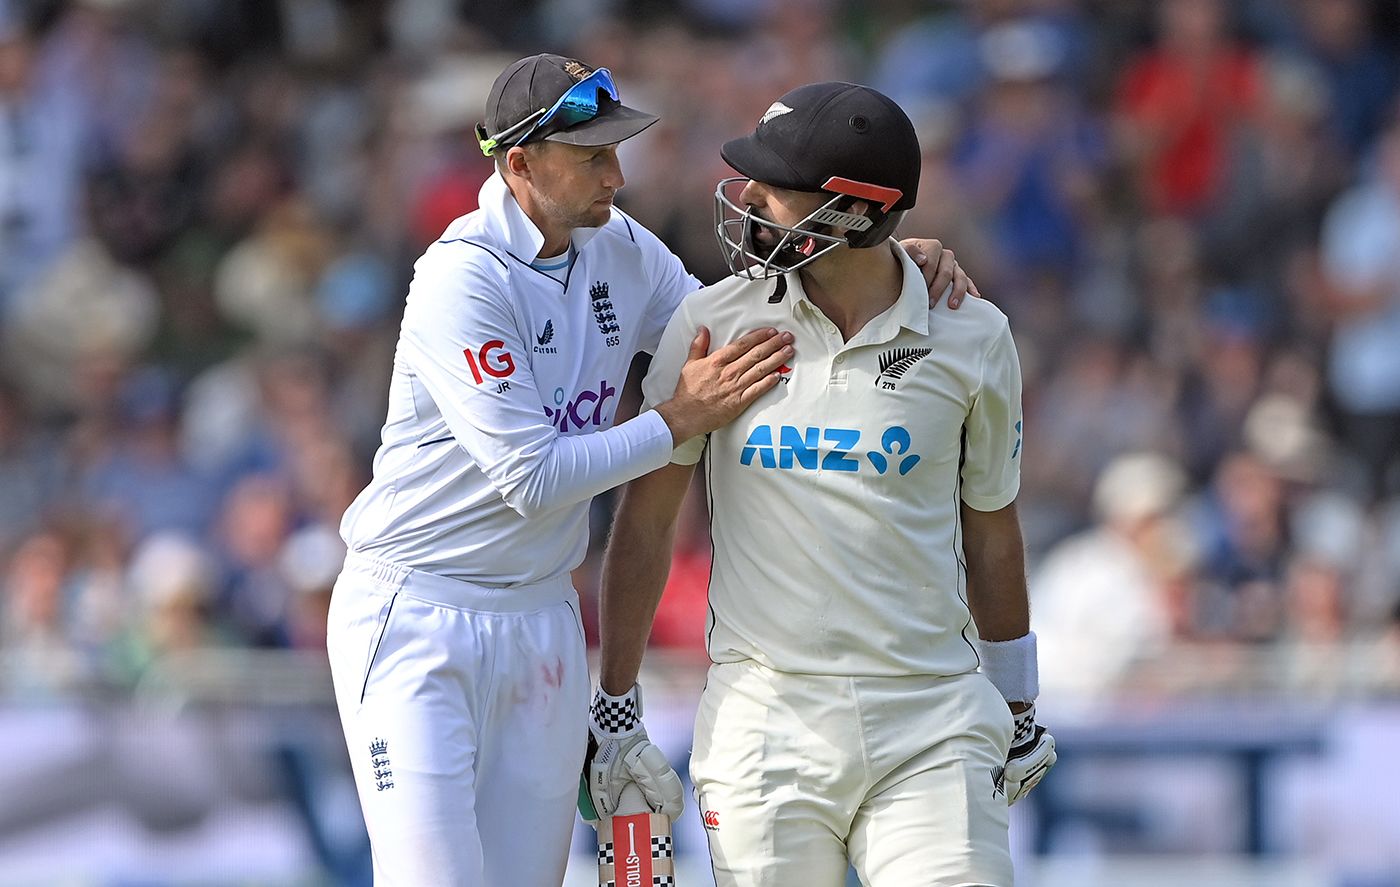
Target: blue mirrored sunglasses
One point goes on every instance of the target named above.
(580, 103)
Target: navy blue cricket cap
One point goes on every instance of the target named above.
(825, 131)
(539, 81)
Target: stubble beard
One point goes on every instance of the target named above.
(590, 216)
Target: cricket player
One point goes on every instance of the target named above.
(454, 636)
(867, 551)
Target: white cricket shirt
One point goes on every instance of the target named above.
(505, 384)
(834, 498)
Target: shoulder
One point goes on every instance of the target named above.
(978, 322)
(734, 292)
(626, 233)
(465, 247)
(459, 271)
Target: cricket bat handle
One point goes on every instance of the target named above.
(634, 845)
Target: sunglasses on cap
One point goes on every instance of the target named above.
(579, 104)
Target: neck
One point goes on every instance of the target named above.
(853, 286)
(556, 235)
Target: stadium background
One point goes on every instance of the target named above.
(1190, 209)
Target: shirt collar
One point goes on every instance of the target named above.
(910, 310)
(512, 228)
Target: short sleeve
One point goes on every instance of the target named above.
(991, 471)
(660, 382)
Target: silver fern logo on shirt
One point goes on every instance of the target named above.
(896, 363)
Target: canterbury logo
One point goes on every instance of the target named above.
(711, 818)
(777, 109)
(896, 362)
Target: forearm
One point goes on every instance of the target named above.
(635, 568)
(567, 470)
(996, 573)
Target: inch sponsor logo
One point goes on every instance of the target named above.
(830, 449)
(493, 360)
(585, 409)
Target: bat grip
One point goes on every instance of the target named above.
(632, 801)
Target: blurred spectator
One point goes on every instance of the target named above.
(1181, 103)
(1223, 383)
(43, 135)
(1244, 536)
(1030, 155)
(35, 634)
(256, 520)
(310, 561)
(84, 307)
(142, 479)
(1360, 73)
(1361, 261)
(265, 283)
(1121, 592)
(170, 591)
(27, 470)
(1104, 401)
(1282, 172)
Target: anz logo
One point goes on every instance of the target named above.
(800, 448)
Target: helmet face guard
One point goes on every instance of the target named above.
(798, 245)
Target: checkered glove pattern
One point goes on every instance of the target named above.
(620, 754)
(616, 716)
(1031, 757)
(1025, 727)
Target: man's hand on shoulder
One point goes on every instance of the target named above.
(942, 273)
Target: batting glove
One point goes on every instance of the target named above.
(619, 754)
(1031, 757)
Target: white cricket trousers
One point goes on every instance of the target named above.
(797, 774)
(465, 711)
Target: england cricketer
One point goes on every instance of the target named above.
(455, 643)
(867, 551)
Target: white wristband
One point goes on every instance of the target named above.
(1011, 667)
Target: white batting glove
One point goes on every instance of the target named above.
(1031, 757)
(619, 753)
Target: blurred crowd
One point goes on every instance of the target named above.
(1190, 210)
